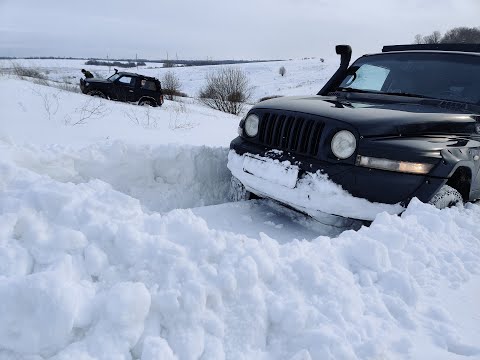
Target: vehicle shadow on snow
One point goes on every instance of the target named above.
(262, 216)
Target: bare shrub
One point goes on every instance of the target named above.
(91, 109)
(50, 102)
(67, 87)
(227, 90)
(433, 38)
(179, 118)
(171, 85)
(418, 39)
(30, 72)
(144, 117)
(38, 81)
(282, 71)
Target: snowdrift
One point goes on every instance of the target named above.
(87, 272)
(314, 194)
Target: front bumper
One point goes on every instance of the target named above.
(374, 190)
(83, 86)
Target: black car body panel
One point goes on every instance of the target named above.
(373, 117)
(126, 87)
(358, 181)
(442, 133)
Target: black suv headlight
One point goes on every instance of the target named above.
(251, 125)
(343, 144)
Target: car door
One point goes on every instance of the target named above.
(125, 88)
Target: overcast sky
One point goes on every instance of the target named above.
(220, 29)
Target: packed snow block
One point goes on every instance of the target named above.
(121, 316)
(15, 259)
(155, 348)
(37, 313)
(47, 242)
(366, 254)
(302, 355)
(96, 260)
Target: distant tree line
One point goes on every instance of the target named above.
(458, 35)
(114, 63)
(142, 62)
(172, 63)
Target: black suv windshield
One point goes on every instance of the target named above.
(447, 76)
(114, 77)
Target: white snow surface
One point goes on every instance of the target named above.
(302, 76)
(117, 241)
(312, 194)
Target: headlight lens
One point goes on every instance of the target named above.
(343, 144)
(251, 125)
(392, 165)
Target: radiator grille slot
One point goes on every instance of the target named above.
(298, 134)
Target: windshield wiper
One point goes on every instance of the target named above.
(401, 93)
(350, 89)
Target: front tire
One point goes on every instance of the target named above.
(447, 196)
(97, 94)
(147, 102)
(237, 191)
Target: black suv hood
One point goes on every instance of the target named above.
(406, 116)
(97, 81)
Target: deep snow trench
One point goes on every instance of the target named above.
(162, 178)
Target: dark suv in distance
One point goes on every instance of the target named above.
(392, 126)
(125, 86)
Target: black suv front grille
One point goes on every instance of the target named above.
(298, 134)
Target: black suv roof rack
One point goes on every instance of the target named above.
(437, 47)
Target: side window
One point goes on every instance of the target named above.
(367, 77)
(127, 80)
(149, 85)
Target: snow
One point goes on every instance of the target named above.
(46, 115)
(117, 241)
(313, 194)
(302, 76)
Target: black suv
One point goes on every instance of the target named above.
(396, 125)
(124, 86)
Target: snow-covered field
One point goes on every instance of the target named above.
(302, 76)
(117, 241)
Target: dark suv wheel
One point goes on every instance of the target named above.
(446, 197)
(97, 93)
(147, 102)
